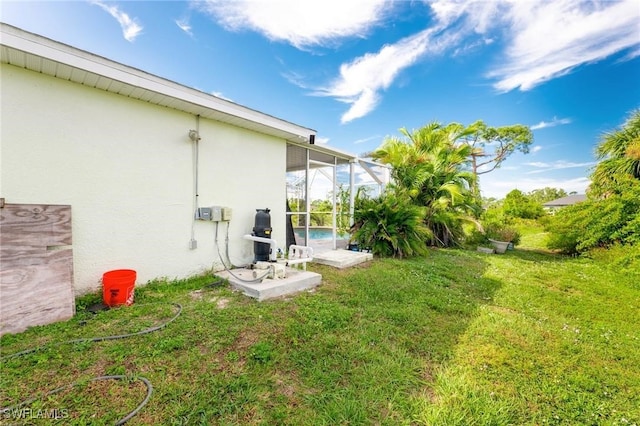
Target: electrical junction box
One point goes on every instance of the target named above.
(203, 213)
(216, 213)
(226, 214)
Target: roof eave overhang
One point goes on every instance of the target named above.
(40, 54)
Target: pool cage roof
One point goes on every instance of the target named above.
(322, 156)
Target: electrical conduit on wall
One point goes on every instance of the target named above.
(194, 135)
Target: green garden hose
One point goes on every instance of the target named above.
(95, 379)
(96, 339)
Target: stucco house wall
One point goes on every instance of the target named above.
(127, 168)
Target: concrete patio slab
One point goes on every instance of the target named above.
(341, 258)
(296, 280)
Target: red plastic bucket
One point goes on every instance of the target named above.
(118, 287)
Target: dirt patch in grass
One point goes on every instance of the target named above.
(197, 294)
(220, 302)
(427, 374)
(503, 310)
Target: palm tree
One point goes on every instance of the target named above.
(619, 151)
(433, 169)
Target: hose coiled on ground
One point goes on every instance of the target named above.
(99, 378)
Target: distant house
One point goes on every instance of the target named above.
(564, 201)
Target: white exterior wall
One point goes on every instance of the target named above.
(127, 169)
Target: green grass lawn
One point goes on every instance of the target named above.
(455, 338)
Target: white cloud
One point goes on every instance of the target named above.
(539, 40)
(362, 103)
(632, 54)
(184, 25)
(556, 165)
(300, 23)
(468, 16)
(470, 47)
(543, 40)
(555, 122)
(305, 24)
(363, 140)
(535, 149)
(550, 39)
(361, 80)
(221, 96)
(130, 27)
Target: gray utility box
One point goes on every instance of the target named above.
(214, 213)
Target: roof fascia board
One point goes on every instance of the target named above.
(43, 47)
(326, 150)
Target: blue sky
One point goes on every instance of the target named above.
(357, 71)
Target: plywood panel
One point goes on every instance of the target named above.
(36, 266)
(30, 225)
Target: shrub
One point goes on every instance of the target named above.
(494, 214)
(563, 238)
(390, 225)
(597, 223)
(503, 233)
(626, 257)
(473, 238)
(518, 205)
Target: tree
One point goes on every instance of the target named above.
(342, 207)
(517, 205)
(431, 168)
(546, 194)
(320, 214)
(503, 142)
(619, 152)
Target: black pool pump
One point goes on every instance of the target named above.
(262, 229)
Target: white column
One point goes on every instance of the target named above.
(307, 200)
(352, 191)
(334, 196)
